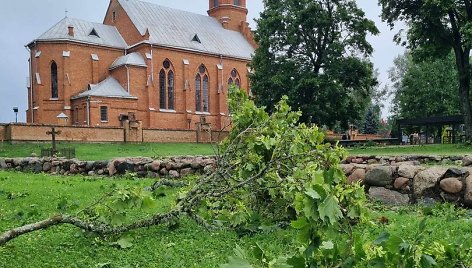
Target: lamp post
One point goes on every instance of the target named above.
(15, 110)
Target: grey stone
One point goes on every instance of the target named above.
(451, 185)
(186, 171)
(91, 173)
(400, 183)
(427, 179)
(37, 167)
(3, 164)
(208, 169)
(164, 171)
(456, 172)
(197, 163)
(468, 191)
(111, 168)
(125, 166)
(174, 174)
(357, 160)
(73, 169)
(155, 165)
(101, 172)
(379, 176)
(467, 160)
(388, 197)
(89, 165)
(357, 176)
(347, 168)
(409, 171)
(372, 161)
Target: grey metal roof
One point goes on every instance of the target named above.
(107, 35)
(109, 88)
(176, 28)
(134, 59)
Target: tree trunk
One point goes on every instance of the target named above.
(464, 91)
(463, 68)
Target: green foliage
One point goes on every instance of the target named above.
(435, 28)
(267, 160)
(426, 88)
(316, 53)
(113, 207)
(371, 122)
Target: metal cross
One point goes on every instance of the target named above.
(53, 133)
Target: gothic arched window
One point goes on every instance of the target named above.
(202, 90)
(54, 83)
(166, 86)
(234, 79)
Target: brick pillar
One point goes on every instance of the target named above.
(67, 86)
(187, 90)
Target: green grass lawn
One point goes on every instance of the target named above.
(432, 149)
(25, 198)
(105, 151)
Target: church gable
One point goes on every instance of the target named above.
(116, 16)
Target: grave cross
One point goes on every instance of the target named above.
(53, 132)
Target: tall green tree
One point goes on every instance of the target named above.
(316, 52)
(434, 28)
(426, 88)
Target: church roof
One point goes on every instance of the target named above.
(84, 32)
(108, 88)
(134, 59)
(176, 28)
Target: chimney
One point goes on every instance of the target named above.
(71, 30)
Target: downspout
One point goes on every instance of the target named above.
(31, 82)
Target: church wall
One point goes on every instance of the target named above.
(35, 133)
(185, 116)
(75, 72)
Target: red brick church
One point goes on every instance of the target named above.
(165, 67)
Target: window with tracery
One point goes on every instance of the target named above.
(202, 90)
(234, 79)
(166, 87)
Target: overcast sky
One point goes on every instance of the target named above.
(24, 20)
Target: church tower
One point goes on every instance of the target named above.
(231, 13)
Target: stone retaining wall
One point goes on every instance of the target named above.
(394, 180)
(403, 180)
(174, 167)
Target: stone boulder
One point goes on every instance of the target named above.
(468, 191)
(400, 183)
(379, 176)
(3, 164)
(409, 171)
(357, 176)
(427, 179)
(347, 168)
(467, 161)
(451, 185)
(388, 197)
(155, 166)
(174, 174)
